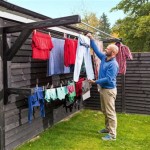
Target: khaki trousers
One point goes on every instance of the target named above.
(107, 98)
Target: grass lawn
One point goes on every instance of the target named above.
(80, 133)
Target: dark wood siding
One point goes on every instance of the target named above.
(1, 89)
(23, 73)
(137, 95)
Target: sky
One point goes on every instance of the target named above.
(62, 8)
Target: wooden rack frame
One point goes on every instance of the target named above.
(25, 30)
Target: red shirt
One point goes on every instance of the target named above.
(41, 45)
(70, 48)
(123, 54)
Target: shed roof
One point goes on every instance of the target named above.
(22, 15)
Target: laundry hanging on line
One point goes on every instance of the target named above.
(123, 55)
(41, 45)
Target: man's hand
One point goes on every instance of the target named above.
(91, 81)
(90, 36)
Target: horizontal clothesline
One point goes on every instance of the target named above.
(65, 34)
(99, 30)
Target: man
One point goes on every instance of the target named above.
(108, 91)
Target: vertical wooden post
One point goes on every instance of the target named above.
(2, 133)
(123, 93)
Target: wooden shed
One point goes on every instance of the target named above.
(19, 73)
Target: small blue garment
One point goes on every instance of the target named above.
(37, 99)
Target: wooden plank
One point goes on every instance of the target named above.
(139, 68)
(12, 112)
(144, 92)
(26, 47)
(24, 115)
(141, 58)
(5, 70)
(27, 77)
(137, 65)
(138, 71)
(22, 119)
(143, 54)
(44, 24)
(22, 91)
(137, 111)
(138, 85)
(33, 77)
(139, 62)
(139, 101)
(18, 123)
(48, 119)
(16, 118)
(27, 41)
(28, 65)
(138, 88)
(17, 105)
(28, 71)
(13, 98)
(31, 83)
(138, 92)
(138, 95)
(2, 133)
(18, 43)
(22, 53)
(26, 137)
(123, 93)
(21, 59)
(139, 75)
(138, 108)
(137, 78)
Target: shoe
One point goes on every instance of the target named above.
(108, 138)
(103, 131)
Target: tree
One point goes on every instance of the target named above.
(135, 27)
(104, 23)
(90, 19)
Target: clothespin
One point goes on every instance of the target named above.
(65, 35)
(52, 86)
(37, 82)
(49, 34)
(47, 85)
(62, 82)
(35, 31)
(68, 82)
(69, 36)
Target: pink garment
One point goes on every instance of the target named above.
(96, 60)
(70, 88)
(123, 54)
